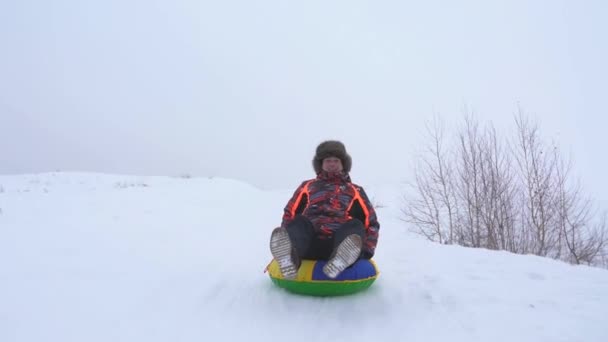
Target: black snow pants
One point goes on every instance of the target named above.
(310, 244)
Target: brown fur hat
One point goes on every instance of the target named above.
(331, 148)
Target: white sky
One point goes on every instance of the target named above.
(246, 89)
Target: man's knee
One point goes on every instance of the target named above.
(300, 225)
(353, 226)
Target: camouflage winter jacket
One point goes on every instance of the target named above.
(330, 200)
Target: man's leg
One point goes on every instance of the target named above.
(353, 226)
(348, 242)
(301, 233)
(289, 243)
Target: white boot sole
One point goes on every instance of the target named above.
(347, 253)
(280, 247)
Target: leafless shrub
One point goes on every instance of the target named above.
(484, 190)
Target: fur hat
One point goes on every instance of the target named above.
(331, 148)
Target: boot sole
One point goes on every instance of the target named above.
(280, 247)
(347, 253)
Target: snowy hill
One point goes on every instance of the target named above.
(91, 257)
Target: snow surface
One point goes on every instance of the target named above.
(92, 257)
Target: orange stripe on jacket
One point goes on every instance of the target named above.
(363, 206)
(296, 204)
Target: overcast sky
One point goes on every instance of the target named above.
(247, 89)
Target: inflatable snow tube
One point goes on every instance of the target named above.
(313, 282)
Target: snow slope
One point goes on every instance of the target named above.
(92, 257)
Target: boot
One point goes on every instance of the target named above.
(284, 253)
(347, 252)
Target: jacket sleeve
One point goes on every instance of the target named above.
(296, 205)
(372, 226)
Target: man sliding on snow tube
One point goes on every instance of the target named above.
(327, 218)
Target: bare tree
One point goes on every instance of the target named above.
(538, 173)
(499, 191)
(485, 188)
(581, 241)
(432, 210)
(468, 184)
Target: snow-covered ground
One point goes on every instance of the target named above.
(91, 257)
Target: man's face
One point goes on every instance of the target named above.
(332, 164)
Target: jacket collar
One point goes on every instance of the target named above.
(334, 176)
